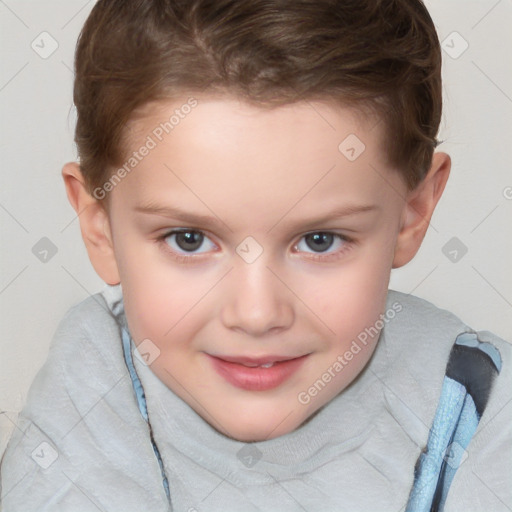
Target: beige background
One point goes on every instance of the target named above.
(37, 123)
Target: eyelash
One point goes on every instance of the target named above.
(348, 244)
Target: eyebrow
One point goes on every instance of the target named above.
(194, 219)
(338, 213)
(179, 214)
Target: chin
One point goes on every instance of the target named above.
(252, 435)
(261, 426)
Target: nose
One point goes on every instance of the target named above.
(255, 302)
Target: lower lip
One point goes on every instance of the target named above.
(257, 378)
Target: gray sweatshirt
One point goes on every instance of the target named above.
(81, 444)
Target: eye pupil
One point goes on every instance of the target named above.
(319, 241)
(189, 240)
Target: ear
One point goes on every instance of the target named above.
(418, 210)
(94, 224)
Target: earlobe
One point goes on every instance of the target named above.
(94, 224)
(419, 208)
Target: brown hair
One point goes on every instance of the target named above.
(378, 54)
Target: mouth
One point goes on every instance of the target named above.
(256, 373)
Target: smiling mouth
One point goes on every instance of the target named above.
(256, 361)
(256, 373)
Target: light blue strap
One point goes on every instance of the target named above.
(137, 386)
(455, 453)
(141, 401)
(472, 367)
(455, 418)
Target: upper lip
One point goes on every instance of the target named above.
(255, 360)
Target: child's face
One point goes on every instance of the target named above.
(238, 181)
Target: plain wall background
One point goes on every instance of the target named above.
(37, 139)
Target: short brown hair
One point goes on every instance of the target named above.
(377, 54)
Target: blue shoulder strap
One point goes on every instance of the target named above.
(471, 370)
(141, 401)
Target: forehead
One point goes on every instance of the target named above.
(214, 148)
(221, 112)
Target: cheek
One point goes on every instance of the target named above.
(156, 295)
(351, 298)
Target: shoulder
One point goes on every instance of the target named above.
(86, 318)
(418, 319)
(420, 313)
(88, 332)
(85, 355)
(418, 343)
(418, 338)
(81, 414)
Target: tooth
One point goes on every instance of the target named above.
(267, 365)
